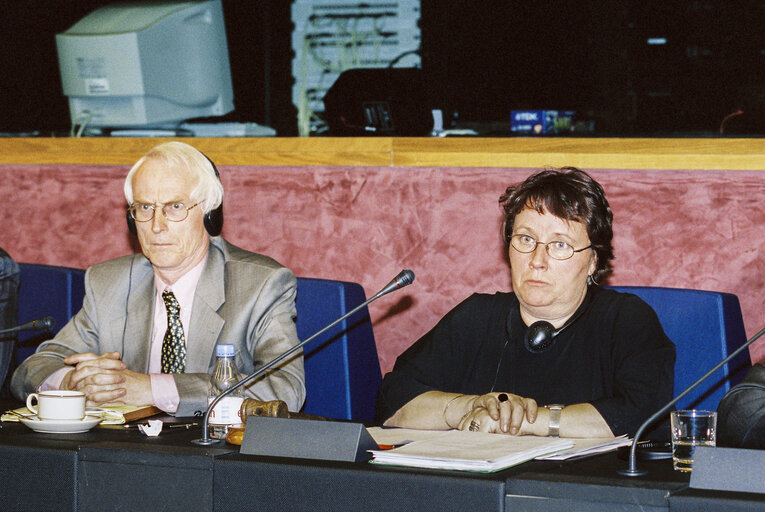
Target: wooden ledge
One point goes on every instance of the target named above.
(588, 153)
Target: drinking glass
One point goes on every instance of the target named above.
(691, 428)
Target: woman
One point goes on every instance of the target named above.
(598, 360)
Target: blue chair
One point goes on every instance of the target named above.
(342, 370)
(706, 327)
(47, 290)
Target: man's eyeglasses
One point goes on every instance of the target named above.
(174, 212)
(557, 249)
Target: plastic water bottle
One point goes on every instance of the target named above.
(226, 412)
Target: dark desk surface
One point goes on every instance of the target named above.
(64, 471)
(695, 500)
(291, 484)
(109, 469)
(593, 484)
(118, 469)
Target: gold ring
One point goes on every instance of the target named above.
(474, 426)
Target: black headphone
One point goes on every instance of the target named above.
(213, 219)
(540, 336)
(505, 235)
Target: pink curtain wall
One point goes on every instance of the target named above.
(686, 229)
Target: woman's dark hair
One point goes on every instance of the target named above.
(571, 194)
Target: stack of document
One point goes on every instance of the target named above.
(460, 450)
(477, 451)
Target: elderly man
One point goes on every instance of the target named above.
(149, 324)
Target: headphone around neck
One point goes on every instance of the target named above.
(540, 336)
(213, 220)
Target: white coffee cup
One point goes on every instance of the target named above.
(57, 405)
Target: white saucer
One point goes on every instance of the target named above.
(61, 426)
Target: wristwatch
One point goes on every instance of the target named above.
(553, 426)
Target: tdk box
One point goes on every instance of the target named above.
(541, 121)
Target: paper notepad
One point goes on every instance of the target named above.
(465, 451)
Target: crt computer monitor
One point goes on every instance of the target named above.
(146, 64)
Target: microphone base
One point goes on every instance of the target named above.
(206, 442)
(632, 472)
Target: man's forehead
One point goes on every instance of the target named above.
(155, 176)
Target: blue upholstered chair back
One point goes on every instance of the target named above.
(47, 290)
(705, 327)
(341, 366)
(342, 370)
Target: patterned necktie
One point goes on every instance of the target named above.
(174, 343)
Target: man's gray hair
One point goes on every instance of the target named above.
(209, 190)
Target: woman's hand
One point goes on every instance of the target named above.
(499, 413)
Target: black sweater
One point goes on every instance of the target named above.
(615, 356)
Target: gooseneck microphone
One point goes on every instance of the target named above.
(404, 278)
(632, 469)
(46, 323)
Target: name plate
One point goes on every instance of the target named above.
(728, 469)
(307, 439)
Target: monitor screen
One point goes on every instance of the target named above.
(146, 64)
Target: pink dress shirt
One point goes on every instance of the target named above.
(163, 390)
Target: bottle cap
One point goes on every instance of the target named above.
(225, 350)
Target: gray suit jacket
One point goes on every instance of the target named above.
(242, 298)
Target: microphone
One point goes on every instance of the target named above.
(404, 278)
(46, 323)
(632, 469)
